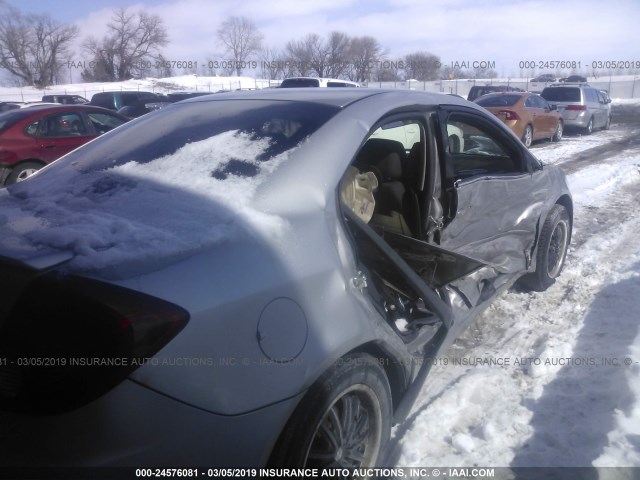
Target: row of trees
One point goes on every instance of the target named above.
(337, 56)
(35, 50)
(31, 46)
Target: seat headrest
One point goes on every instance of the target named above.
(385, 155)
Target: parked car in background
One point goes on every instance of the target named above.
(580, 105)
(544, 78)
(479, 90)
(142, 107)
(6, 106)
(298, 82)
(30, 138)
(574, 79)
(138, 103)
(322, 267)
(65, 99)
(529, 115)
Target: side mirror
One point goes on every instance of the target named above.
(553, 107)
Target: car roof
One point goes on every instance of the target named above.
(339, 97)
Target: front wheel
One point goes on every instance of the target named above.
(552, 250)
(344, 421)
(607, 125)
(527, 137)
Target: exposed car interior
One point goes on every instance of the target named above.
(384, 188)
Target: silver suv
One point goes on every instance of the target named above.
(580, 105)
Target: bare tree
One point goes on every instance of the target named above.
(300, 55)
(338, 54)
(129, 48)
(365, 55)
(328, 58)
(241, 39)
(421, 66)
(33, 47)
(273, 63)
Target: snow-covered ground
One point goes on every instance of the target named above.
(550, 379)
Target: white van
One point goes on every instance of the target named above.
(301, 82)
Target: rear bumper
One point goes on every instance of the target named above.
(133, 426)
(573, 118)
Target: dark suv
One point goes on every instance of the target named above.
(129, 104)
(580, 105)
(479, 90)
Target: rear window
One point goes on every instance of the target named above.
(102, 100)
(276, 126)
(561, 94)
(9, 118)
(476, 92)
(299, 82)
(499, 100)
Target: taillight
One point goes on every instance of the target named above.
(575, 107)
(509, 115)
(69, 340)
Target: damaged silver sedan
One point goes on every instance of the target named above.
(259, 278)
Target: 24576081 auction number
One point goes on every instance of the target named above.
(194, 472)
(179, 64)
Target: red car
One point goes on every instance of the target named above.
(32, 137)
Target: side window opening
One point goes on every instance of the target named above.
(476, 150)
(384, 190)
(62, 125)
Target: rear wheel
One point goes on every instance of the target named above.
(527, 137)
(589, 128)
(552, 250)
(344, 421)
(557, 136)
(22, 172)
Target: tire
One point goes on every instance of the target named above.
(552, 250)
(557, 136)
(527, 137)
(344, 420)
(21, 171)
(588, 130)
(607, 125)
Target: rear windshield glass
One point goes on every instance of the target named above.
(276, 126)
(561, 94)
(499, 101)
(479, 91)
(299, 82)
(10, 117)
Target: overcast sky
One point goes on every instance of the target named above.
(501, 31)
